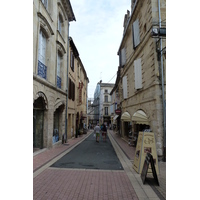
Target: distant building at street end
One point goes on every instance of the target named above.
(102, 101)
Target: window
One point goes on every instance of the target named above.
(58, 70)
(78, 69)
(42, 47)
(71, 89)
(138, 73)
(60, 21)
(136, 33)
(124, 83)
(72, 61)
(106, 91)
(122, 57)
(106, 99)
(42, 69)
(106, 110)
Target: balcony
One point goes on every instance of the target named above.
(58, 82)
(42, 70)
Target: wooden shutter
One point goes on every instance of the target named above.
(136, 33)
(72, 61)
(138, 73)
(73, 91)
(123, 57)
(124, 83)
(69, 89)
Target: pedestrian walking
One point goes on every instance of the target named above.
(97, 130)
(104, 132)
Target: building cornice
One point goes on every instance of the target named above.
(68, 8)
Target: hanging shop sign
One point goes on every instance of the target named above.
(145, 144)
(118, 111)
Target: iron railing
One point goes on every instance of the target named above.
(42, 70)
(58, 82)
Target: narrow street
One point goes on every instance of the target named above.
(91, 155)
(89, 170)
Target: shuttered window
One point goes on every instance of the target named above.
(136, 33)
(123, 57)
(71, 93)
(69, 89)
(138, 74)
(124, 83)
(72, 61)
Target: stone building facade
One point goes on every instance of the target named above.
(105, 103)
(139, 85)
(102, 103)
(77, 92)
(50, 47)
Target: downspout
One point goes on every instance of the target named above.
(67, 84)
(163, 94)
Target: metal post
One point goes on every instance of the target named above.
(67, 85)
(163, 94)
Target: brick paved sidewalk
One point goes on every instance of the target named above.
(87, 185)
(47, 155)
(130, 153)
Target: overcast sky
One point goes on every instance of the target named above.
(97, 34)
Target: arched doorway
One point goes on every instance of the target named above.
(126, 124)
(140, 121)
(38, 122)
(57, 126)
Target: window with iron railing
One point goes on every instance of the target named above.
(42, 69)
(58, 70)
(58, 82)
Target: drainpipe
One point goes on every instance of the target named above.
(163, 94)
(67, 85)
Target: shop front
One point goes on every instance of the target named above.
(140, 122)
(107, 120)
(126, 124)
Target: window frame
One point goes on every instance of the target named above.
(72, 60)
(136, 33)
(105, 110)
(138, 74)
(106, 98)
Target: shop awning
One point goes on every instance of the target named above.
(115, 117)
(126, 117)
(140, 117)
